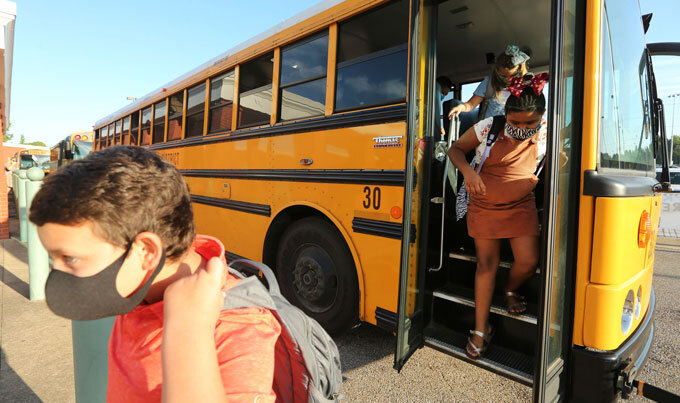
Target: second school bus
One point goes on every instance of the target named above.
(310, 148)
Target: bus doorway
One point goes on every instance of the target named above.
(467, 37)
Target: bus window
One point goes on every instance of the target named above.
(110, 138)
(303, 78)
(255, 91)
(126, 130)
(134, 128)
(221, 102)
(146, 126)
(195, 109)
(96, 139)
(159, 122)
(372, 58)
(175, 107)
(625, 137)
(117, 132)
(104, 137)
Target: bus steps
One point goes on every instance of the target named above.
(464, 296)
(473, 258)
(508, 363)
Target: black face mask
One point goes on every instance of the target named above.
(94, 297)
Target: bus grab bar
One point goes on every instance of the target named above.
(454, 129)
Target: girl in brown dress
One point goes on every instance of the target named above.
(502, 204)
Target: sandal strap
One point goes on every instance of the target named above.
(478, 350)
(478, 333)
(513, 295)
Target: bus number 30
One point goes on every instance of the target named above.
(375, 195)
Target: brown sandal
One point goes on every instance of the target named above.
(515, 308)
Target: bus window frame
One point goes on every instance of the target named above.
(179, 115)
(256, 90)
(231, 103)
(188, 115)
(320, 34)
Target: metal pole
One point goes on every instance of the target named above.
(90, 358)
(21, 204)
(38, 263)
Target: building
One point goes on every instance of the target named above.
(8, 12)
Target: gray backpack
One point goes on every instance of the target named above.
(303, 348)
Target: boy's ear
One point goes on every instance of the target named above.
(150, 248)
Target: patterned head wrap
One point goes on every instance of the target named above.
(536, 83)
(517, 56)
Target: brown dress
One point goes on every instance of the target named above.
(508, 210)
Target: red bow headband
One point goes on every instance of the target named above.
(536, 83)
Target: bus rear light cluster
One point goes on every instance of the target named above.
(628, 312)
(644, 229)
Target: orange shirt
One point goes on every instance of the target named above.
(245, 339)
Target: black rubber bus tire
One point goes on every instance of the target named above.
(316, 273)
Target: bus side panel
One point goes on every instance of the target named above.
(604, 308)
(616, 256)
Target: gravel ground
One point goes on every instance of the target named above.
(429, 376)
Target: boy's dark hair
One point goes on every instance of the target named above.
(123, 191)
(444, 82)
(528, 101)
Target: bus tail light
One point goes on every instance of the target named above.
(645, 229)
(76, 137)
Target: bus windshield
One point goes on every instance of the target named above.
(81, 149)
(30, 161)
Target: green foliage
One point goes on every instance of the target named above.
(676, 150)
(36, 143)
(8, 136)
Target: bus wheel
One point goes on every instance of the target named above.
(316, 273)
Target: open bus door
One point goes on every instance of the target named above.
(422, 67)
(545, 366)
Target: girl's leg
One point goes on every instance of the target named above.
(488, 258)
(525, 252)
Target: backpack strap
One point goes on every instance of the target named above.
(497, 125)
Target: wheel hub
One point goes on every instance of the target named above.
(315, 278)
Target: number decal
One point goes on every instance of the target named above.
(372, 198)
(376, 198)
(367, 192)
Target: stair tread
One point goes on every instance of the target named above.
(465, 296)
(511, 364)
(472, 258)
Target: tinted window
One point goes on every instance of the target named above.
(303, 79)
(134, 128)
(221, 99)
(175, 107)
(117, 132)
(372, 58)
(159, 122)
(110, 139)
(625, 132)
(146, 126)
(103, 136)
(255, 89)
(195, 111)
(303, 100)
(126, 130)
(305, 60)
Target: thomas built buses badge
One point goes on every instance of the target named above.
(387, 141)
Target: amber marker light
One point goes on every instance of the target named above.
(395, 212)
(645, 229)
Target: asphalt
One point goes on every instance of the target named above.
(36, 357)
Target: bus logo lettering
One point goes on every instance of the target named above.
(387, 141)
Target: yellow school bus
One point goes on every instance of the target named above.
(74, 146)
(310, 148)
(35, 156)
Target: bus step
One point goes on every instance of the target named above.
(473, 258)
(464, 296)
(508, 363)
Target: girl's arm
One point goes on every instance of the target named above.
(466, 143)
(471, 104)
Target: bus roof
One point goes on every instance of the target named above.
(232, 56)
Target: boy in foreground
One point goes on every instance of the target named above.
(119, 228)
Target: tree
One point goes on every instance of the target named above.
(8, 136)
(36, 143)
(676, 150)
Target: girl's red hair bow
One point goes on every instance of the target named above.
(536, 83)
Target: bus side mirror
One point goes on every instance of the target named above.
(68, 154)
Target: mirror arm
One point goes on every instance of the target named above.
(665, 156)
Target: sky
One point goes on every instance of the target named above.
(76, 62)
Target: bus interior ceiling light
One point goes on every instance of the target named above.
(458, 10)
(465, 25)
